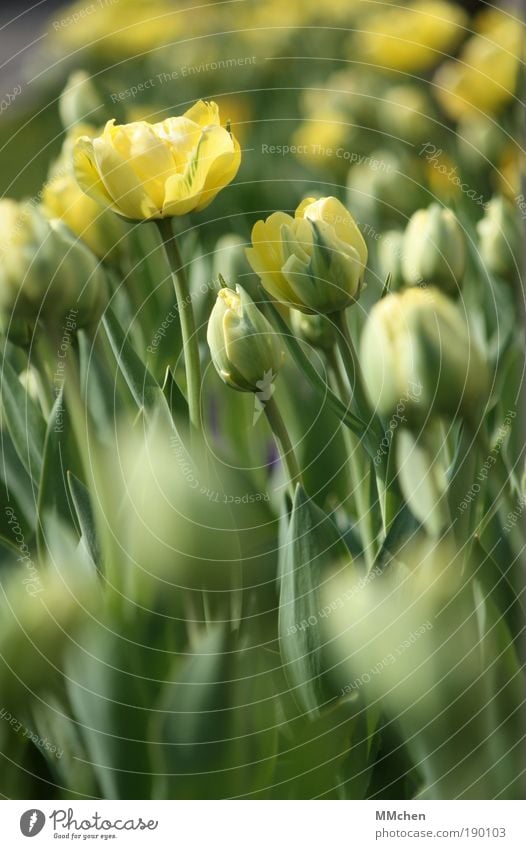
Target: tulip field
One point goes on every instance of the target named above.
(263, 401)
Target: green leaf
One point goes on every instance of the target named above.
(65, 755)
(60, 455)
(313, 754)
(344, 413)
(17, 484)
(192, 736)
(24, 420)
(423, 480)
(403, 528)
(254, 737)
(365, 739)
(82, 501)
(312, 548)
(101, 383)
(146, 392)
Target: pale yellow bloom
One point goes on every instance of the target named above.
(148, 171)
(119, 27)
(63, 198)
(45, 271)
(315, 261)
(411, 38)
(434, 249)
(322, 140)
(417, 346)
(484, 77)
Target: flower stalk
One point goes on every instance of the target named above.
(281, 435)
(187, 319)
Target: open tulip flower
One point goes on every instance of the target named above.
(148, 171)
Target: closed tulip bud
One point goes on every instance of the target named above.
(481, 139)
(317, 330)
(385, 188)
(80, 102)
(45, 272)
(314, 262)
(499, 238)
(406, 112)
(434, 249)
(44, 607)
(62, 197)
(417, 352)
(146, 171)
(245, 349)
(390, 250)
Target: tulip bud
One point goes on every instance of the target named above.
(79, 102)
(406, 112)
(245, 349)
(390, 250)
(417, 352)
(499, 239)
(317, 330)
(434, 249)
(314, 262)
(43, 608)
(480, 140)
(385, 188)
(45, 272)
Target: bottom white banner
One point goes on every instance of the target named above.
(235, 824)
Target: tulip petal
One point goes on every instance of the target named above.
(194, 189)
(204, 113)
(87, 175)
(183, 136)
(148, 154)
(121, 183)
(222, 171)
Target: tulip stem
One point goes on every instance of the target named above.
(350, 360)
(358, 478)
(186, 317)
(388, 495)
(281, 435)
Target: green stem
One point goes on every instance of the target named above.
(352, 366)
(186, 317)
(388, 496)
(285, 446)
(356, 479)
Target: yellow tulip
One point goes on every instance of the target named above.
(45, 272)
(63, 198)
(319, 139)
(484, 77)
(314, 262)
(119, 28)
(411, 38)
(148, 171)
